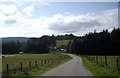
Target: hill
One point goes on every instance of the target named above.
(14, 39)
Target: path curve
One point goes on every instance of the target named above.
(73, 67)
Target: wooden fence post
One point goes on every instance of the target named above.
(35, 63)
(7, 70)
(45, 62)
(14, 71)
(96, 59)
(41, 62)
(117, 65)
(105, 61)
(30, 64)
(21, 67)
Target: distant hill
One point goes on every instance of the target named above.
(14, 39)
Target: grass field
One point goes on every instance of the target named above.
(14, 61)
(62, 42)
(100, 69)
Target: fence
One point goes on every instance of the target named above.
(112, 62)
(46, 62)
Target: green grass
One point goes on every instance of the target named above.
(98, 70)
(14, 61)
(62, 42)
(111, 61)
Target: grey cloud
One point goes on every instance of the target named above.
(73, 24)
(10, 21)
(72, 27)
(10, 14)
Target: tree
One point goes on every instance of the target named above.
(10, 48)
(36, 46)
(102, 43)
(39, 45)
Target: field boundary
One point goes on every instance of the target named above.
(104, 61)
(31, 65)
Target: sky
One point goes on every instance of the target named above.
(34, 19)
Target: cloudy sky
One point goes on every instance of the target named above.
(34, 19)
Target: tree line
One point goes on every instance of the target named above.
(33, 45)
(93, 43)
(65, 37)
(102, 43)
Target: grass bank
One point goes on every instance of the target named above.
(98, 70)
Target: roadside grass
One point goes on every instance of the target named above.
(14, 62)
(98, 70)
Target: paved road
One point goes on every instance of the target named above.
(73, 67)
(0, 75)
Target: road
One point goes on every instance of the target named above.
(0, 75)
(73, 67)
(0, 65)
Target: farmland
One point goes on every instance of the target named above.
(15, 61)
(62, 42)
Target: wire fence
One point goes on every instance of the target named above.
(10, 71)
(112, 62)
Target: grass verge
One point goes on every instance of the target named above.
(98, 70)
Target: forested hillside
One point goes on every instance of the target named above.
(102, 43)
(94, 43)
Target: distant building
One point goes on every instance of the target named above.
(20, 52)
(62, 48)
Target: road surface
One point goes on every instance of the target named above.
(0, 75)
(73, 67)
